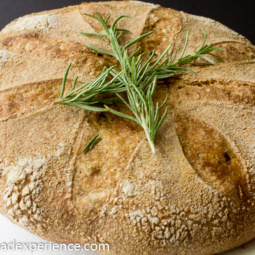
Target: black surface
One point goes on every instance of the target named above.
(238, 15)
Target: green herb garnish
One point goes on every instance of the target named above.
(92, 143)
(137, 78)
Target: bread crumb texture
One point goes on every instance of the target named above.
(195, 196)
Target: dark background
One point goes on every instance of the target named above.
(238, 15)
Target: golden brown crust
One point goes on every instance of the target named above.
(195, 196)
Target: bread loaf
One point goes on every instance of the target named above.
(194, 196)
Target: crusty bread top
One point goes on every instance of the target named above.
(195, 195)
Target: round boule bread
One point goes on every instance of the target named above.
(195, 196)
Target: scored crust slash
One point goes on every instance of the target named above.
(118, 168)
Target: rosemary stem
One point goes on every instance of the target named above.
(148, 137)
(57, 102)
(152, 145)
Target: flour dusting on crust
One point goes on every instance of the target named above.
(213, 23)
(6, 56)
(37, 22)
(149, 5)
(24, 186)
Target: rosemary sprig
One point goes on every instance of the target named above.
(86, 95)
(92, 143)
(170, 66)
(138, 78)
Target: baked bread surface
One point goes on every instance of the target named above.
(194, 196)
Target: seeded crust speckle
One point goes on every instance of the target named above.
(196, 195)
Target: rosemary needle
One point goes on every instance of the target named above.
(138, 79)
(92, 142)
